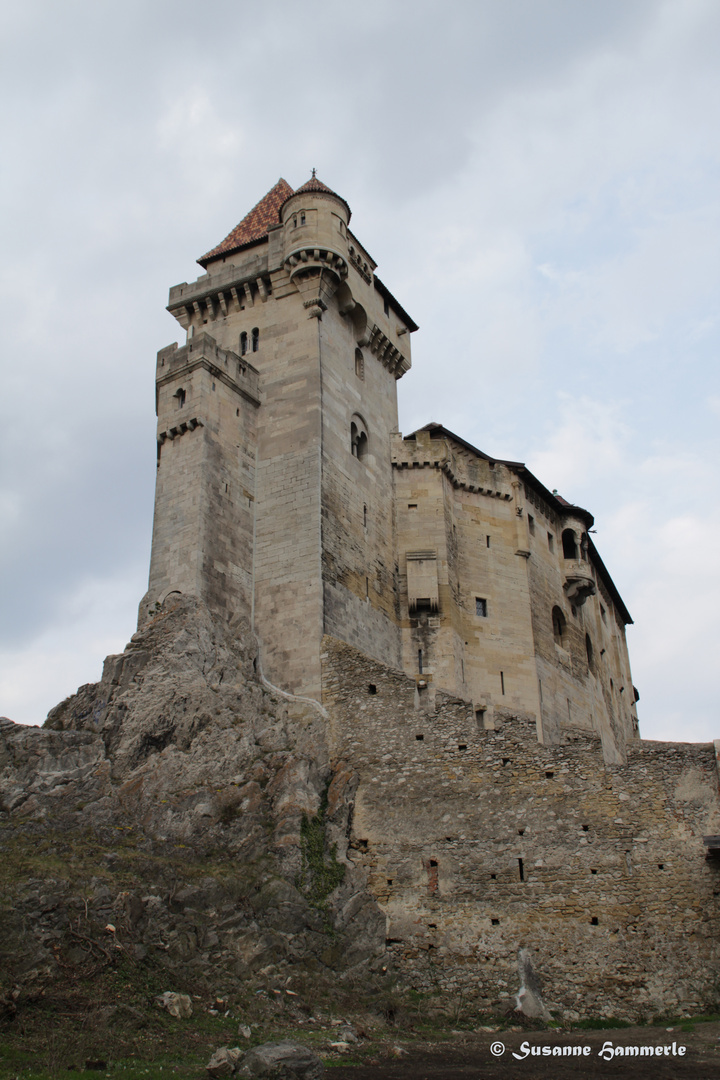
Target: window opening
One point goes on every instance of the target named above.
(462, 746)
(386, 307)
(495, 922)
(358, 439)
(359, 364)
(603, 614)
(521, 832)
(213, 386)
(569, 543)
(365, 515)
(243, 343)
(294, 221)
(237, 412)
(531, 524)
(549, 775)
(594, 921)
(558, 625)
(412, 506)
(420, 662)
(502, 682)
(255, 339)
(480, 718)
(593, 871)
(372, 688)
(419, 738)
(367, 588)
(521, 868)
(589, 650)
(302, 218)
(180, 395)
(481, 607)
(493, 877)
(551, 542)
(487, 541)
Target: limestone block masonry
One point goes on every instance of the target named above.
(478, 842)
(287, 495)
(455, 619)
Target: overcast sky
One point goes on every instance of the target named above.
(538, 181)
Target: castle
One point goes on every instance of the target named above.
(456, 714)
(286, 494)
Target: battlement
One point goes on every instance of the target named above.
(203, 351)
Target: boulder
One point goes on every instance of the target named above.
(178, 1005)
(281, 1061)
(223, 1061)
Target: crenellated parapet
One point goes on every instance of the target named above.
(202, 351)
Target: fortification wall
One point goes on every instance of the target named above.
(479, 842)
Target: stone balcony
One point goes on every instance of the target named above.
(579, 581)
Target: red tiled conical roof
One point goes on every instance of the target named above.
(254, 226)
(313, 184)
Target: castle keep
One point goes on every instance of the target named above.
(286, 494)
(456, 715)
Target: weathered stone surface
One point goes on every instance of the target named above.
(281, 1061)
(224, 1061)
(178, 1005)
(180, 750)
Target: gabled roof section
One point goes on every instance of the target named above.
(253, 228)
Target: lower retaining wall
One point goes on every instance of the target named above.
(477, 843)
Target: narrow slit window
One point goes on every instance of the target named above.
(521, 869)
(502, 682)
(255, 339)
(420, 662)
(243, 343)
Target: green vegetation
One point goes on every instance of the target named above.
(320, 873)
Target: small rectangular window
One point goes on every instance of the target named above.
(531, 524)
(386, 307)
(551, 541)
(481, 606)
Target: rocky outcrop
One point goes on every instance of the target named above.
(182, 812)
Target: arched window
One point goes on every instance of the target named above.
(558, 625)
(358, 437)
(180, 396)
(255, 339)
(302, 218)
(359, 364)
(243, 343)
(569, 544)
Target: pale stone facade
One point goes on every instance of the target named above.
(286, 495)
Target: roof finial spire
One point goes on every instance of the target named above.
(313, 175)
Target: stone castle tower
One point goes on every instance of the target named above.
(286, 495)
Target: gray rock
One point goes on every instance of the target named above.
(224, 1061)
(281, 1061)
(178, 1005)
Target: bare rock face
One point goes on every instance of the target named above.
(281, 1061)
(182, 802)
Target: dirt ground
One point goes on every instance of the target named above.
(468, 1056)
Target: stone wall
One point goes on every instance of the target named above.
(478, 842)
